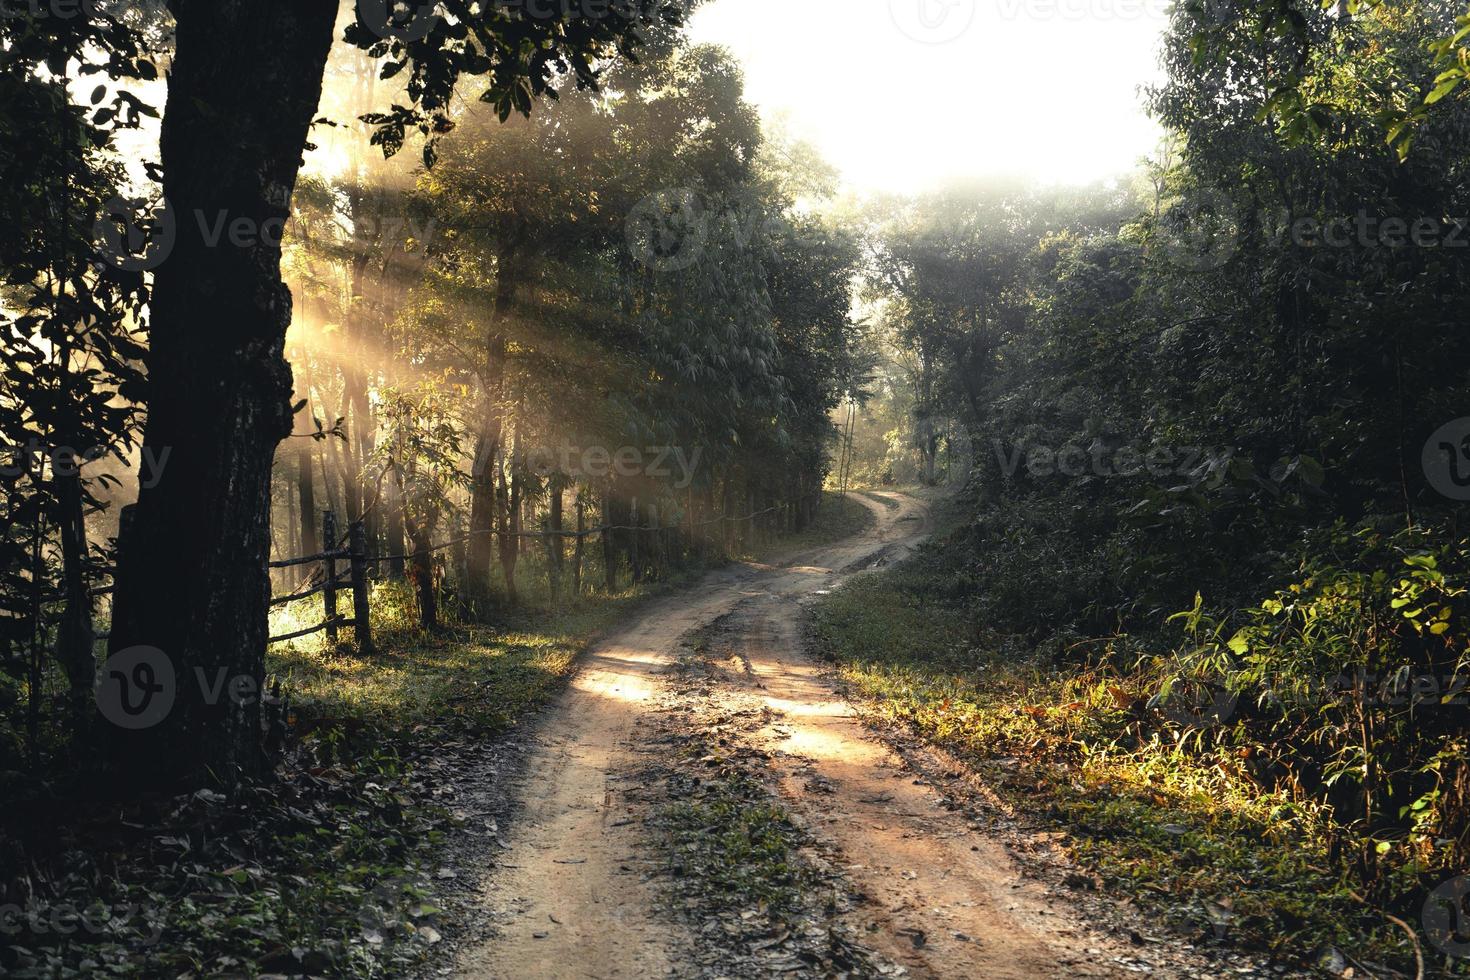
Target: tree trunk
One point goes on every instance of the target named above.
(348, 472)
(421, 573)
(243, 88)
(635, 553)
(482, 510)
(364, 436)
(75, 637)
(421, 561)
(306, 494)
(609, 542)
(580, 548)
(360, 333)
(334, 500)
(555, 552)
(510, 524)
(292, 576)
(492, 426)
(395, 544)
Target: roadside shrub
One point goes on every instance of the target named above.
(1346, 689)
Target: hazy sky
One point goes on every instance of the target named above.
(903, 94)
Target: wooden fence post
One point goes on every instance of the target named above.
(635, 551)
(553, 573)
(655, 542)
(329, 592)
(581, 538)
(362, 621)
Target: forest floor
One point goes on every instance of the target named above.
(703, 802)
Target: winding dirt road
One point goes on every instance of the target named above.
(574, 895)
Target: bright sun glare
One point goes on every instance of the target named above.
(905, 94)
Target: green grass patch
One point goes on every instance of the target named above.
(466, 676)
(734, 848)
(1196, 841)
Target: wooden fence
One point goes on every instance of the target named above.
(332, 581)
(356, 559)
(354, 556)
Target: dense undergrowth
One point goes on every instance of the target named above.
(1288, 776)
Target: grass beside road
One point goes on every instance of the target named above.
(1203, 849)
(476, 678)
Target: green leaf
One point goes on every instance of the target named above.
(1443, 88)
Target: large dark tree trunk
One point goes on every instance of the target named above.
(345, 466)
(306, 495)
(244, 85)
(364, 443)
(481, 553)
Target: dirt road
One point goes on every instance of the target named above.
(575, 897)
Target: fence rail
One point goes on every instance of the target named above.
(359, 561)
(355, 580)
